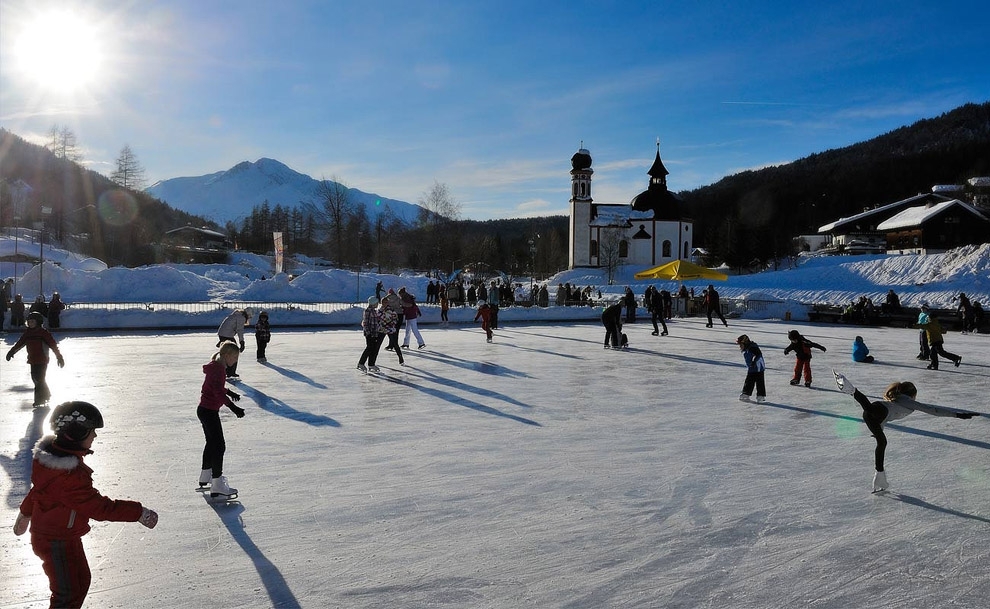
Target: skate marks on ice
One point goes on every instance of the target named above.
(231, 513)
(279, 408)
(18, 467)
(887, 493)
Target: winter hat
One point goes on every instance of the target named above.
(37, 317)
(372, 301)
(263, 315)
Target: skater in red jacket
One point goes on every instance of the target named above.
(485, 315)
(62, 501)
(38, 341)
(801, 347)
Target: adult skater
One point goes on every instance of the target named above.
(612, 320)
(62, 501)
(388, 319)
(38, 342)
(755, 368)
(656, 307)
(898, 402)
(214, 395)
(713, 305)
(371, 326)
(936, 341)
(412, 313)
(485, 315)
(233, 326)
(925, 351)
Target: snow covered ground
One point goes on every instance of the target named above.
(538, 471)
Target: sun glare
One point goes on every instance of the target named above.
(60, 51)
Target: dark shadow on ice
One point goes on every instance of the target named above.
(482, 367)
(230, 513)
(912, 430)
(543, 351)
(481, 391)
(279, 408)
(453, 399)
(18, 467)
(928, 506)
(292, 374)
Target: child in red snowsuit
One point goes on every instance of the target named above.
(62, 500)
(38, 341)
(801, 347)
(485, 315)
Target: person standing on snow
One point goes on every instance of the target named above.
(898, 402)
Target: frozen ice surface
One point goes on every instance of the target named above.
(537, 471)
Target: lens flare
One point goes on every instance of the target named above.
(117, 207)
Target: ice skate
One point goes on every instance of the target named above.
(807, 383)
(205, 477)
(423, 346)
(374, 369)
(760, 399)
(362, 368)
(744, 398)
(879, 482)
(795, 381)
(958, 361)
(654, 334)
(220, 488)
(843, 383)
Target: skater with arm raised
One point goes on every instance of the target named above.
(214, 395)
(898, 402)
(801, 347)
(62, 501)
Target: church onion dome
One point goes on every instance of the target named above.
(581, 160)
(664, 204)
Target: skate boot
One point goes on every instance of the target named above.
(220, 488)
(204, 478)
(760, 399)
(362, 368)
(795, 381)
(843, 383)
(374, 369)
(744, 398)
(879, 482)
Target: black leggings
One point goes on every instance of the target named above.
(215, 445)
(874, 414)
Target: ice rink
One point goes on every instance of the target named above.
(538, 471)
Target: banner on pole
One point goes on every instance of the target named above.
(279, 252)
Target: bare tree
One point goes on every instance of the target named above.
(609, 244)
(129, 172)
(63, 144)
(439, 212)
(331, 210)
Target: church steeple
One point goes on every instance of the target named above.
(658, 173)
(581, 175)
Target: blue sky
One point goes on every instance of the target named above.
(491, 99)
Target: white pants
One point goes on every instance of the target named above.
(412, 326)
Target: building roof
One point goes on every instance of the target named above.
(884, 211)
(916, 216)
(203, 231)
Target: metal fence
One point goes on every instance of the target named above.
(205, 307)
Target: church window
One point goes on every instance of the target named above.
(594, 248)
(623, 249)
(666, 249)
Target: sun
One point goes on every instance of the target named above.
(59, 50)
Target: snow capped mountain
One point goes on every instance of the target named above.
(230, 195)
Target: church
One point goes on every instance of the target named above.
(648, 231)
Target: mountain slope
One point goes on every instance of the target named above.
(231, 195)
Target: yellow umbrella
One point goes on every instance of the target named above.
(681, 270)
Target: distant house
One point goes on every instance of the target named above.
(192, 244)
(861, 233)
(935, 228)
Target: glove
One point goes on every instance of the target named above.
(149, 518)
(10, 356)
(21, 524)
(965, 415)
(233, 395)
(61, 362)
(824, 349)
(242, 346)
(237, 410)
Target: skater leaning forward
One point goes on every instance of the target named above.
(62, 501)
(898, 402)
(231, 326)
(213, 396)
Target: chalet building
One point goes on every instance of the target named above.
(647, 231)
(192, 244)
(935, 228)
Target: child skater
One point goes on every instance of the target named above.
(485, 315)
(389, 323)
(861, 353)
(755, 367)
(62, 501)
(38, 341)
(214, 395)
(801, 347)
(898, 402)
(262, 335)
(371, 326)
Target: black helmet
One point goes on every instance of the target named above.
(38, 317)
(74, 420)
